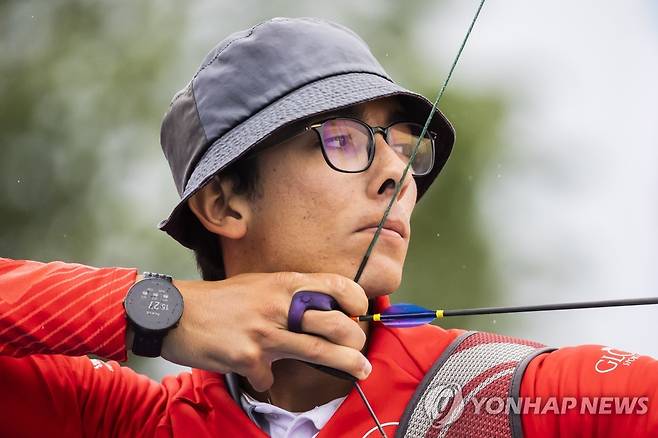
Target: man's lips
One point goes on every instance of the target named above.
(392, 227)
(384, 232)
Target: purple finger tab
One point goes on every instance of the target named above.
(308, 300)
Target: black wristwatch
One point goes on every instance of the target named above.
(153, 307)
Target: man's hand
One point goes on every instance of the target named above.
(240, 325)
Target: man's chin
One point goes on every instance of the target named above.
(377, 284)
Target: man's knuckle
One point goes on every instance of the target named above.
(279, 277)
(336, 329)
(315, 349)
(265, 336)
(247, 357)
(338, 282)
(283, 278)
(270, 309)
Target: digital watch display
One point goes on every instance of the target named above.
(153, 307)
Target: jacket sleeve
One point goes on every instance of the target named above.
(48, 314)
(60, 308)
(590, 390)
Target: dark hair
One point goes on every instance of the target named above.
(208, 251)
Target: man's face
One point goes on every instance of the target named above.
(312, 218)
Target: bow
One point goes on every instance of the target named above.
(398, 187)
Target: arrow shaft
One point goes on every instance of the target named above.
(548, 307)
(420, 315)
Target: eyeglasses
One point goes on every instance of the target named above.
(348, 145)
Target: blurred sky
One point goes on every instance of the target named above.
(572, 202)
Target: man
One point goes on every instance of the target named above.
(286, 147)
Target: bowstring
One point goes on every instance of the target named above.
(398, 186)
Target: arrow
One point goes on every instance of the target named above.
(404, 315)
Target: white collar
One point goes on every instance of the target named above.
(259, 411)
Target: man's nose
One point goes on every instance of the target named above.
(389, 168)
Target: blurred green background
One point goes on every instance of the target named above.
(86, 83)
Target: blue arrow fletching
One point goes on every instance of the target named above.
(398, 315)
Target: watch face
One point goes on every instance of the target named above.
(154, 304)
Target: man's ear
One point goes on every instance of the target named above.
(220, 210)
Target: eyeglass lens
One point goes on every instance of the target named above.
(347, 145)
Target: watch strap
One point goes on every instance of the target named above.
(147, 344)
(169, 278)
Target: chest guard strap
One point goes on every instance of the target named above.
(471, 390)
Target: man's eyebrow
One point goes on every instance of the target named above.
(349, 111)
(396, 115)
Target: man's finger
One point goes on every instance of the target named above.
(311, 348)
(260, 377)
(335, 326)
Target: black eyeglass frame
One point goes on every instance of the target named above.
(371, 145)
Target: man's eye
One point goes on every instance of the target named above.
(337, 141)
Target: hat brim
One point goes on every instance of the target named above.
(328, 94)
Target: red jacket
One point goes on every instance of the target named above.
(47, 310)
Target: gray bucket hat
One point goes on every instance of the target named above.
(260, 82)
